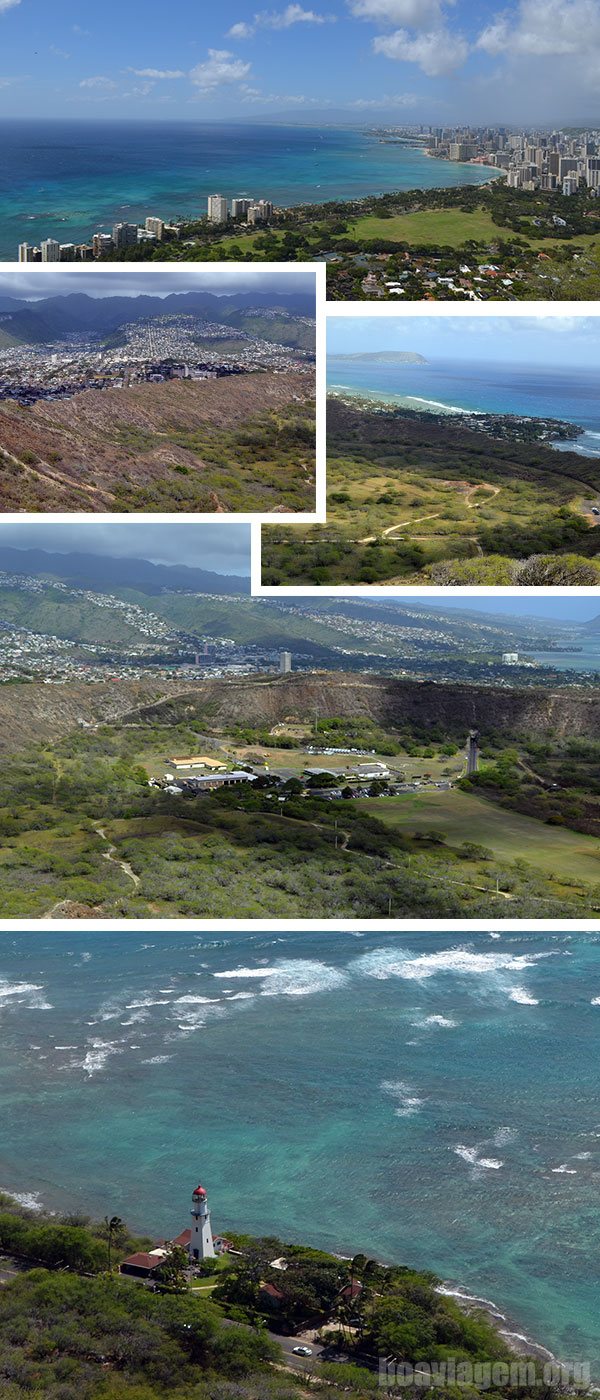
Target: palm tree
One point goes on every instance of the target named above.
(114, 1225)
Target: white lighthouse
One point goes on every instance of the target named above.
(201, 1243)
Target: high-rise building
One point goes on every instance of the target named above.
(217, 209)
(50, 250)
(155, 226)
(240, 207)
(592, 172)
(102, 243)
(124, 235)
(26, 252)
(260, 212)
(473, 751)
(285, 662)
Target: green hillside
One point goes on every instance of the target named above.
(60, 615)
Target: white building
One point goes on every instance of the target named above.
(50, 250)
(201, 1244)
(155, 226)
(510, 658)
(372, 770)
(26, 252)
(217, 209)
(285, 662)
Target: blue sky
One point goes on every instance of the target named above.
(411, 60)
(538, 340)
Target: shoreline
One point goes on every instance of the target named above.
(520, 1343)
(565, 438)
(290, 207)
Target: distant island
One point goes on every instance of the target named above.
(386, 357)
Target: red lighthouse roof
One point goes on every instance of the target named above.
(199, 1191)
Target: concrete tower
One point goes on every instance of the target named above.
(473, 751)
(201, 1243)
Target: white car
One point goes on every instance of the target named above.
(302, 1351)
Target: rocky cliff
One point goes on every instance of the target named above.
(35, 712)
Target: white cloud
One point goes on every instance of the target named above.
(436, 53)
(59, 53)
(417, 14)
(157, 72)
(278, 19)
(101, 83)
(220, 67)
(545, 27)
(293, 14)
(8, 4)
(240, 31)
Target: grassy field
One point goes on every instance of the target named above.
(459, 816)
(450, 228)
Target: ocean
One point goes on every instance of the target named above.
(457, 385)
(427, 1098)
(68, 179)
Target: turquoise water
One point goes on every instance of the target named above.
(459, 385)
(588, 659)
(68, 179)
(429, 1098)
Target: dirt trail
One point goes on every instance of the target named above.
(470, 505)
(110, 855)
(49, 473)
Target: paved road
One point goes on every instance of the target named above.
(298, 1363)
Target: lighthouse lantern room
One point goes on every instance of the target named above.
(201, 1242)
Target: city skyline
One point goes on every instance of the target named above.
(431, 62)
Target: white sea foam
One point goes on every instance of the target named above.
(294, 978)
(503, 1135)
(96, 1056)
(407, 1102)
(448, 1292)
(595, 1001)
(521, 995)
(29, 1199)
(194, 1001)
(19, 989)
(444, 1021)
(248, 972)
(157, 1060)
(435, 403)
(387, 962)
(146, 1001)
(471, 1156)
(564, 1170)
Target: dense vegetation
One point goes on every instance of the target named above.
(267, 463)
(80, 824)
(74, 1329)
(410, 226)
(408, 492)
